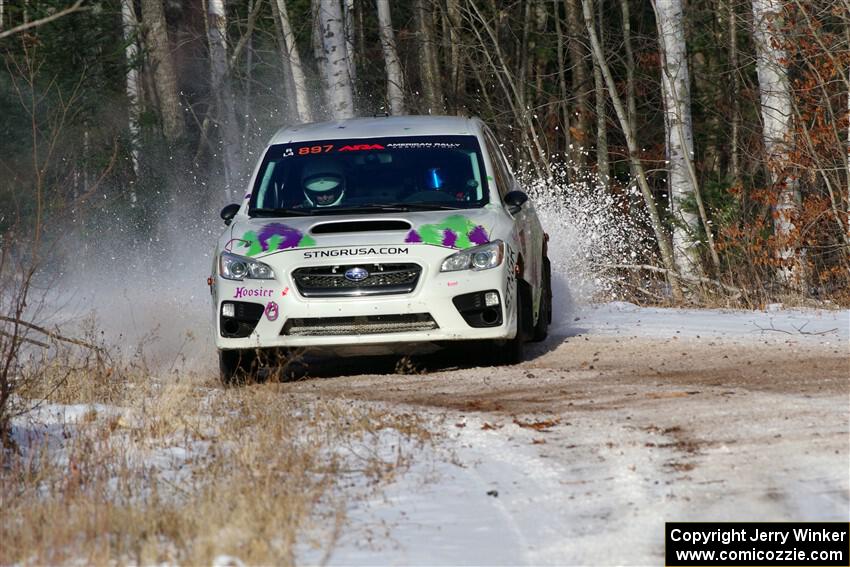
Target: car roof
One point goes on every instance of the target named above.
(384, 126)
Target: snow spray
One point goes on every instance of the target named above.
(590, 227)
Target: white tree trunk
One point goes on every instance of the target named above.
(679, 133)
(131, 53)
(302, 99)
(338, 91)
(775, 95)
(395, 78)
(227, 126)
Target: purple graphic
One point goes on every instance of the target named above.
(449, 238)
(478, 235)
(271, 311)
(455, 231)
(290, 236)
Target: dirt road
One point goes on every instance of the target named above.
(598, 438)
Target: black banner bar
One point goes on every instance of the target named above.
(811, 544)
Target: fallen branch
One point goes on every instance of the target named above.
(25, 339)
(52, 334)
(665, 271)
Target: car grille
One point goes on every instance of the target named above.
(365, 325)
(383, 279)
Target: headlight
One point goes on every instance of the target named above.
(235, 267)
(481, 257)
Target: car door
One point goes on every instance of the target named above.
(527, 225)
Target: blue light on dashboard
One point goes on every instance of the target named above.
(433, 178)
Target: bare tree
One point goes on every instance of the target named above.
(293, 62)
(675, 86)
(776, 112)
(75, 7)
(220, 79)
(562, 81)
(457, 82)
(634, 154)
(579, 53)
(338, 90)
(395, 78)
(165, 78)
(601, 115)
(735, 95)
(628, 51)
(348, 10)
(432, 90)
(131, 53)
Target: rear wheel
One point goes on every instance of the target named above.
(544, 317)
(236, 366)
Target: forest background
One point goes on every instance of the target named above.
(724, 121)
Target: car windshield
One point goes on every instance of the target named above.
(370, 175)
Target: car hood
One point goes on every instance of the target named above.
(456, 229)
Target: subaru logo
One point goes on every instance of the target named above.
(357, 274)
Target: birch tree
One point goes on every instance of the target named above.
(131, 54)
(229, 143)
(293, 63)
(335, 67)
(165, 78)
(679, 138)
(395, 78)
(776, 112)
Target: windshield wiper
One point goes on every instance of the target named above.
(279, 212)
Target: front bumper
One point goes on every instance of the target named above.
(434, 295)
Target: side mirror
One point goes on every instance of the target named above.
(515, 200)
(228, 212)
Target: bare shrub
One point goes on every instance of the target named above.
(182, 473)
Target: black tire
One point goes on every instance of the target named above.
(544, 317)
(236, 366)
(513, 351)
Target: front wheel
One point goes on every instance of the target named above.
(512, 351)
(236, 366)
(544, 315)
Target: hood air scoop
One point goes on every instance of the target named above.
(360, 226)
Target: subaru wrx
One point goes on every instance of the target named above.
(380, 231)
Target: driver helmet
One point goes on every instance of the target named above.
(323, 182)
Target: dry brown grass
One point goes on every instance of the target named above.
(183, 472)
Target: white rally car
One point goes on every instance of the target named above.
(380, 231)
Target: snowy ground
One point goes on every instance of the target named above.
(626, 418)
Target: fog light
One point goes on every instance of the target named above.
(228, 310)
(491, 298)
